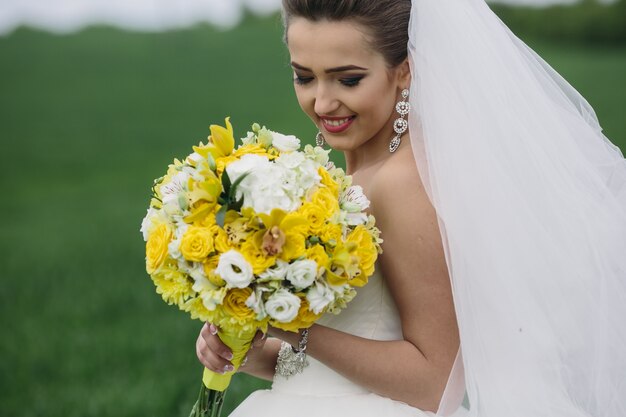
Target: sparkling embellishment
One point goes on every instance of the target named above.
(393, 145)
(400, 126)
(291, 361)
(403, 108)
(319, 139)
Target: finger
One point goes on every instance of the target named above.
(259, 339)
(210, 359)
(214, 343)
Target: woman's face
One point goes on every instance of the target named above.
(342, 84)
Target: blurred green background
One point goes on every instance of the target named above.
(87, 121)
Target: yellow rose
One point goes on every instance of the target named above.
(326, 200)
(329, 182)
(318, 254)
(252, 250)
(156, 247)
(197, 243)
(366, 249)
(331, 233)
(234, 304)
(220, 239)
(315, 216)
(305, 318)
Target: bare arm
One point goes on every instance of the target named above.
(413, 370)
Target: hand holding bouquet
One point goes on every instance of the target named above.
(261, 235)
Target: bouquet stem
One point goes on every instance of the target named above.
(209, 403)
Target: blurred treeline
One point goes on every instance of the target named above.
(588, 21)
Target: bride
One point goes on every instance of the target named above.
(503, 213)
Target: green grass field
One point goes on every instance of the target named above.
(87, 121)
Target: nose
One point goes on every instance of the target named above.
(325, 100)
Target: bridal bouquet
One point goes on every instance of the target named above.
(261, 235)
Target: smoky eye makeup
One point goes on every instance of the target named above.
(351, 81)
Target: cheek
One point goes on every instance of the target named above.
(305, 101)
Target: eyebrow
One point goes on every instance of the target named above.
(329, 70)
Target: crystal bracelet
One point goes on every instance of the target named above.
(292, 361)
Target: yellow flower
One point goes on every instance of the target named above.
(281, 227)
(220, 239)
(209, 271)
(328, 202)
(331, 233)
(221, 142)
(294, 247)
(196, 308)
(344, 263)
(234, 304)
(305, 318)
(156, 247)
(329, 182)
(203, 196)
(318, 254)
(252, 250)
(197, 243)
(173, 285)
(315, 215)
(366, 249)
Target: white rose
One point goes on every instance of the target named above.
(302, 273)
(319, 296)
(285, 143)
(233, 268)
(282, 306)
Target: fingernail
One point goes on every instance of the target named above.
(213, 329)
(229, 355)
(229, 368)
(264, 336)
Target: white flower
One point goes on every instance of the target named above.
(283, 306)
(233, 268)
(353, 200)
(319, 296)
(285, 143)
(277, 273)
(173, 247)
(210, 294)
(147, 224)
(302, 273)
(248, 163)
(255, 302)
(249, 139)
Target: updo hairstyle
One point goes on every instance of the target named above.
(387, 21)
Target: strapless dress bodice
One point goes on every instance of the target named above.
(372, 314)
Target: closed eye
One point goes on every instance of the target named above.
(302, 80)
(351, 81)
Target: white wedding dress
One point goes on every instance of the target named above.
(319, 391)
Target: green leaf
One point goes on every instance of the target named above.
(220, 217)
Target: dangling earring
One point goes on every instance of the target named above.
(400, 125)
(319, 139)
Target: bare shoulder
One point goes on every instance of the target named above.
(413, 261)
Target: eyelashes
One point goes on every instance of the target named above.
(346, 81)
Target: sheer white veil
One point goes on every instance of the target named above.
(531, 199)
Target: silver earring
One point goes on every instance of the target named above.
(400, 125)
(319, 139)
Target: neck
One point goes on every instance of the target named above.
(373, 152)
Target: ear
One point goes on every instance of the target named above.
(404, 74)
